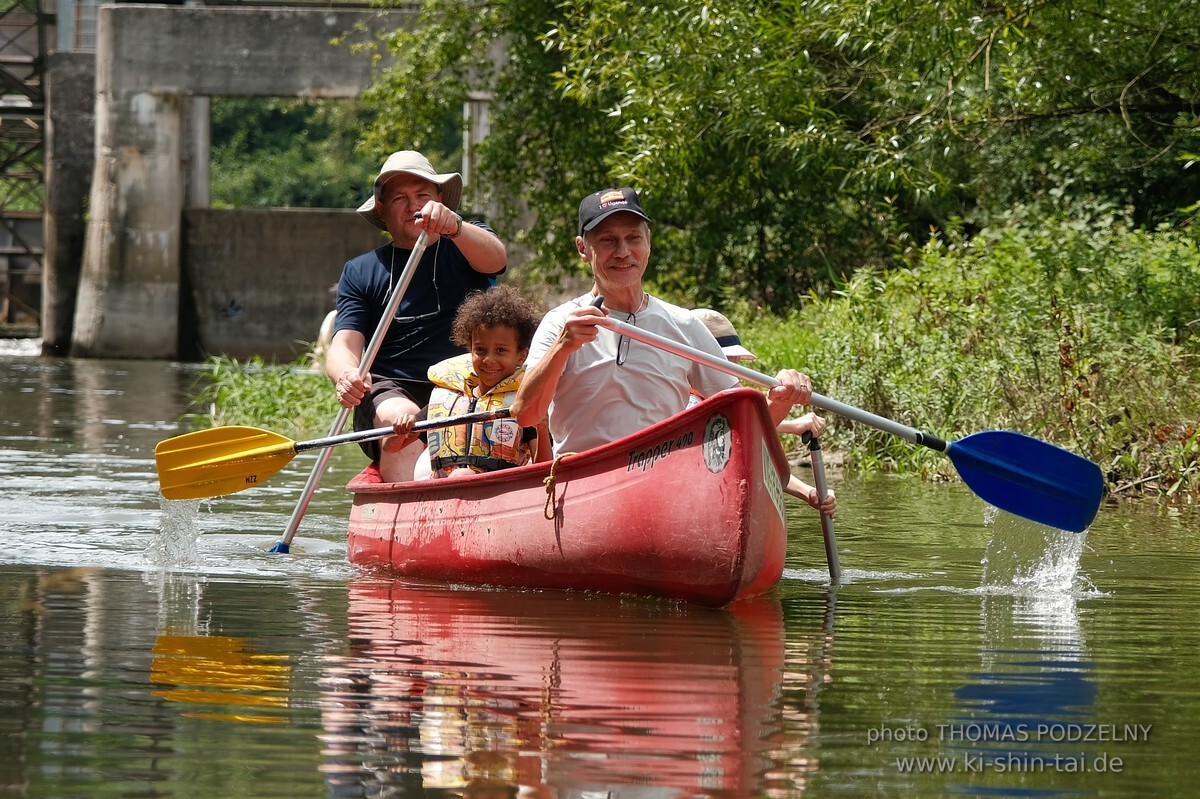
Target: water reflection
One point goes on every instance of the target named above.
(1034, 694)
(481, 693)
(210, 675)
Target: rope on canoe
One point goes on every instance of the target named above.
(548, 482)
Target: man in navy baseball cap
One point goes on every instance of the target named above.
(596, 386)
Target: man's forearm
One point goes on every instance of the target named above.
(778, 410)
(537, 388)
(342, 355)
(483, 250)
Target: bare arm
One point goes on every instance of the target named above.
(802, 490)
(808, 423)
(483, 250)
(341, 365)
(544, 448)
(793, 389)
(537, 388)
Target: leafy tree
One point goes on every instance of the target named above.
(781, 144)
(544, 145)
(282, 153)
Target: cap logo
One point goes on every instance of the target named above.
(614, 196)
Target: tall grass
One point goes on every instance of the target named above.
(291, 399)
(1081, 334)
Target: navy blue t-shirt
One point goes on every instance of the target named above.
(419, 335)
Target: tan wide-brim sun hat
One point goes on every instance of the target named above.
(725, 334)
(410, 162)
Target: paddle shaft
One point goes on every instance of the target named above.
(749, 375)
(1014, 472)
(822, 486)
(383, 432)
(364, 368)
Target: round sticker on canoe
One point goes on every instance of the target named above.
(718, 442)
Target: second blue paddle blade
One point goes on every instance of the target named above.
(1030, 478)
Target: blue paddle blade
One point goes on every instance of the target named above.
(1030, 478)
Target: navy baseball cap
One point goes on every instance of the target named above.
(599, 206)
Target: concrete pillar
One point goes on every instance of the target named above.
(148, 59)
(70, 146)
(128, 304)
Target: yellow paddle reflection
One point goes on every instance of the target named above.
(220, 670)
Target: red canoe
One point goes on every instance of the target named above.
(691, 509)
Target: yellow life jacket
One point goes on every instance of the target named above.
(480, 447)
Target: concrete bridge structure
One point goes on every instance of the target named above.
(156, 262)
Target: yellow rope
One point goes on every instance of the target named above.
(548, 482)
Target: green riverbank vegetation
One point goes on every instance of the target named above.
(292, 399)
(1082, 334)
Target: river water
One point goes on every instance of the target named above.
(152, 648)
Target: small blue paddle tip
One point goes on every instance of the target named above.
(281, 547)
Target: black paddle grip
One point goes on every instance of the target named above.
(933, 442)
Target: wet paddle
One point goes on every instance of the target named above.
(283, 545)
(225, 460)
(822, 486)
(1016, 473)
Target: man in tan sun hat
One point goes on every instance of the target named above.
(461, 257)
(731, 344)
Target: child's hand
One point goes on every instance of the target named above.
(808, 423)
(403, 434)
(828, 507)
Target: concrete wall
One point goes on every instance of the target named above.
(258, 280)
(148, 58)
(70, 156)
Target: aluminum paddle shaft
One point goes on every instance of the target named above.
(364, 368)
(1015, 472)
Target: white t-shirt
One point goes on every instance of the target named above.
(615, 386)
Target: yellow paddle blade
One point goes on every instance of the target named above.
(219, 461)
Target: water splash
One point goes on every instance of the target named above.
(20, 346)
(175, 544)
(1026, 558)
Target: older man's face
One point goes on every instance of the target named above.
(618, 250)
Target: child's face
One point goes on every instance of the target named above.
(494, 354)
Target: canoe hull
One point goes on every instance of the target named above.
(689, 509)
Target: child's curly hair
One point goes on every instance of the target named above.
(499, 306)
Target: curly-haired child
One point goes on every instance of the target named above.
(496, 328)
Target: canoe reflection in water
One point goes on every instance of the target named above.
(488, 693)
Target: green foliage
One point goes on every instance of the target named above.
(1079, 332)
(780, 147)
(531, 161)
(289, 399)
(282, 153)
